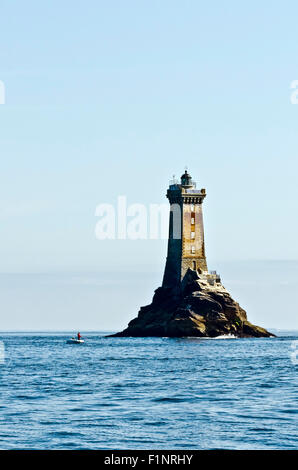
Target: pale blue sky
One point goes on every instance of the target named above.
(112, 98)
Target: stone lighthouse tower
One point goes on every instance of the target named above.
(191, 301)
(186, 247)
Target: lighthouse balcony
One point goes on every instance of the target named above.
(174, 184)
(192, 191)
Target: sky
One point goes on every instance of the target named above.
(112, 98)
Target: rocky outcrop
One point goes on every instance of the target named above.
(199, 308)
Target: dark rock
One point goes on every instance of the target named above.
(196, 309)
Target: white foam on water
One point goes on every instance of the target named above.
(215, 337)
(225, 337)
(219, 337)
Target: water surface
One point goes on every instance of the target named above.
(147, 393)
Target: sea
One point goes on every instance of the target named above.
(148, 393)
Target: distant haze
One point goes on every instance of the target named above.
(108, 300)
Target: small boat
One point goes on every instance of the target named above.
(75, 341)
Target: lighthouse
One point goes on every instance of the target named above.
(191, 301)
(186, 246)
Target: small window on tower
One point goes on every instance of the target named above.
(192, 220)
(192, 235)
(193, 250)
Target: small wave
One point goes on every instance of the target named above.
(168, 400)
(65, 433)
(28, 397)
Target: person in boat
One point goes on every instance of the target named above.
(79, 336)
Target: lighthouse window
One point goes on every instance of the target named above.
(192, 235)
(193, 250)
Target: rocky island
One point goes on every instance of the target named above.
(191, 301)
(200, 309)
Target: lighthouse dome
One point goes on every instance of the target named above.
(186, 179)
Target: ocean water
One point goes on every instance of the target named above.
(147, 393)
